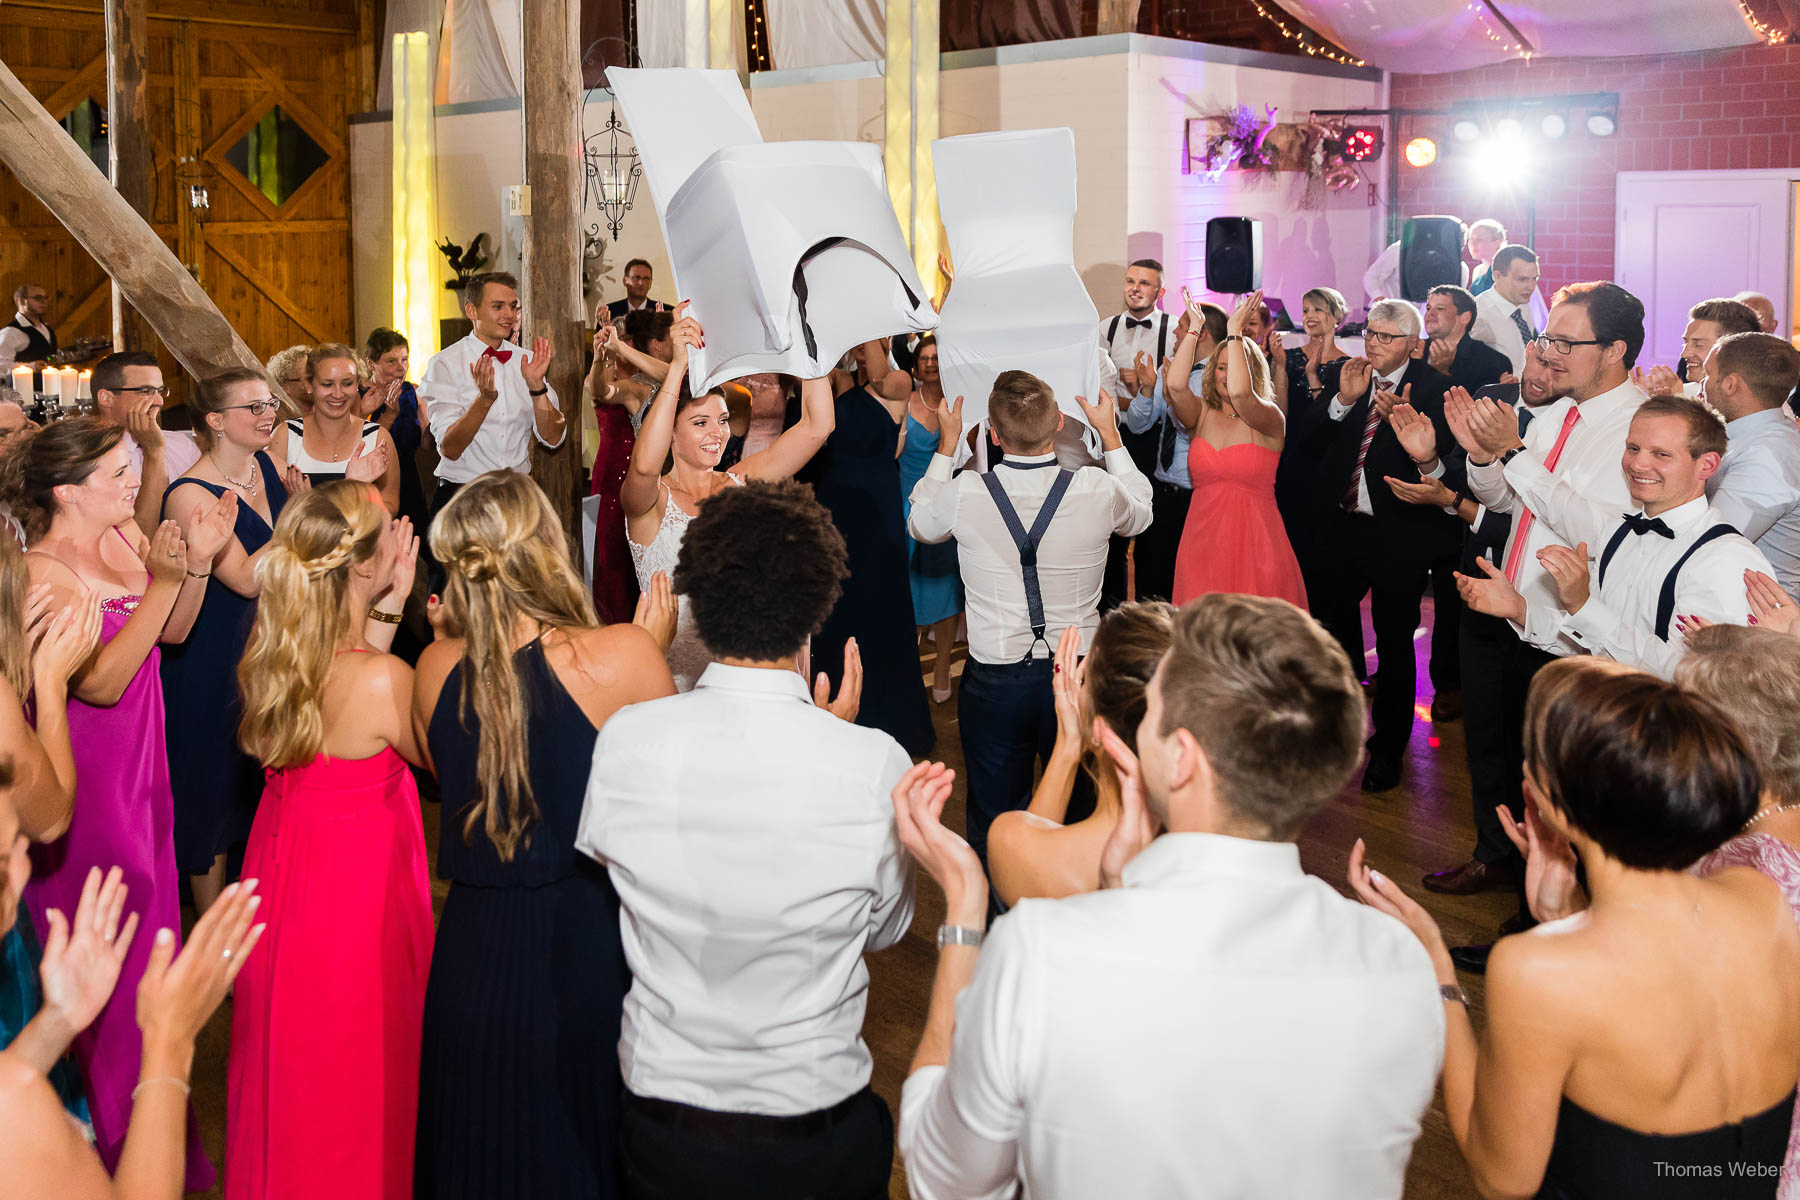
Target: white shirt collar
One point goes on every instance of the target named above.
(1174, 855)
(1627, 394)
(1398, 374)
(762, 680)
(1683, 517)
(1030, 458)
(1771, 417)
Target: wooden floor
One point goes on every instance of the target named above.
(1422, 826)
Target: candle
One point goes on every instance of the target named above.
(21, 383)
(65, 386)
(84, 386)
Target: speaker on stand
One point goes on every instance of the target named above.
(1233, 254)
(1430, 256)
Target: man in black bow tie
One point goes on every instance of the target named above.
(1136, 341)
(1631, 585)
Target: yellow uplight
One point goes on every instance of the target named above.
(415, 285)
(1421, 152)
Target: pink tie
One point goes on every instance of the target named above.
(1524, 527)
(1362, 453)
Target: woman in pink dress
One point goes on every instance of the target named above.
(1234, 540)
(72, 486)
(324, 1073)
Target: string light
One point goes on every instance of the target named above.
(1768, 34)
(1306, 44)
(1510, 44)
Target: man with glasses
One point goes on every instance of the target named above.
(129, 392)
(1503, 313)
(29, 338)
(1571, 449)
(637, 279)
(1372, 542)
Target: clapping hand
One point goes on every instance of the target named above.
(1552, 890)
(1066, 680)
(1657, 381)
(1417, 435)
(295, 480)
(81, 964)
(918, 818)
(166, 557)
(1569, 569)
(175, 998)
(482, 372)
(1769, 605)
(534, 367)
(1353, 379)
(1136, 827)
(1246, 308)
(67, 640)
(1484, 427)
(1494, 594)
(1276, 353)
(1428, 491)
(37, 611)
(367, 465)
(1381, 893)
(1386, 399)
(657, 611)
(849, 697)
(211, 527)
(405, 562)
(1440, 353)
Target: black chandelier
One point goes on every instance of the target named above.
(611, 175)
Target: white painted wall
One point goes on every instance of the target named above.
(1126, 109)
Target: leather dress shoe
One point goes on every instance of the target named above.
(1472, 877)
(1382, 773)
(1446, 707)
(1474, 959)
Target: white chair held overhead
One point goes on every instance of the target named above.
(1008, 204)
(789, 252)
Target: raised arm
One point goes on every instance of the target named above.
(606, 337)
(639, 493)
(1183, 404)
(109, 672)
(231, 566)
(796, 446)
(209, 529)
(1263, 413)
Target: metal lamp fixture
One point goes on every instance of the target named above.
(611, 175)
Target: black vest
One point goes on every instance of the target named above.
(37, 347)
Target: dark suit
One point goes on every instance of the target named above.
(618, 308)
(1387, 554)
(1477, 364)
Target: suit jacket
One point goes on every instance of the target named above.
(1477, 364)
(617, 308)
(1415, 531)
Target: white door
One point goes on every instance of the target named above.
(1687, 236)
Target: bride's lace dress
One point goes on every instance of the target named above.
(687, 656)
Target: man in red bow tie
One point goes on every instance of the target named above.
(486, 395)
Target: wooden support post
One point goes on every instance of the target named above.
(553, 305)
(54, 169)
(128, 140)
(1117, 16)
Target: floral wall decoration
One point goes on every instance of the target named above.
(1238, 139)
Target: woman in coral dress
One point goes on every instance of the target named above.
(323, 1080)
(1234, 540)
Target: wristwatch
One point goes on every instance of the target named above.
(1452, 992)
(958, 935)
(1511, 454)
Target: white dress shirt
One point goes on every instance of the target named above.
(503, 443)
(751, 838)
(180, 453)
(1122, 350)
(1071, 557)
(1494, 325)
(1588, 474)
(1337, 410)
(1619, 618)
(1221, 1026)
(13, 339)
(1757, 488)
(1148, 411)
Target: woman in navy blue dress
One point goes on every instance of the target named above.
(215, 783)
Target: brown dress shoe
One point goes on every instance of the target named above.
(1473, 876)
(1446, 707)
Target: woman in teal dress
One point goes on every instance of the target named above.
(932, 570)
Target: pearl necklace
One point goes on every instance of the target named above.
(1767, 812)
(249, 489)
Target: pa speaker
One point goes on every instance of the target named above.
(1430, 256)
(1233, 254)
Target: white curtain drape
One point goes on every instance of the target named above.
(480, 56)
(821, 33)
(662, 27)
(1433, 36)
(404, 16)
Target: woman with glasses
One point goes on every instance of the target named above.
(288, 368)
(215, 783)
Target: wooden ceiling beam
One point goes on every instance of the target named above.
(209, 13)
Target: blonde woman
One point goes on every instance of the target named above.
(1234, 540)
(333, 440)
(324, 1073)
(520, 1065)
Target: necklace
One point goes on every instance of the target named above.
(249, 489)
(338, 455)
(1767, 812)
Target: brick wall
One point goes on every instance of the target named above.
(1715, 110)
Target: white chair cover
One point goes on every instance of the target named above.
(1008, 204)
(789, 252)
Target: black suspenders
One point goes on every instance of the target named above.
(1028, 544)
(1665, 601)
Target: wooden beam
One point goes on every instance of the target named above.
(128, 140)
(552, 262)
(1117, 16)
(208, 12)
(53, 168)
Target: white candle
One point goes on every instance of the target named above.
(65, 384)
(84, 385)
(21, 383)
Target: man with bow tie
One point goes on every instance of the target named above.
(1629, 584)
(1136, 343)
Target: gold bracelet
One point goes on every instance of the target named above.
(375, 614)
(144, 1083)
(198, 575)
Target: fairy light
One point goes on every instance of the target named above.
(1506, 42)
(1768, 34)
(1305, 43)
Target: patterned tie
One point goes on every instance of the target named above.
(498, 355)
(1523, 527)
(1523, 326)
(1362, 454)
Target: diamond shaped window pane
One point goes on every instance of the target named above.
(86, 123)
(277, 156)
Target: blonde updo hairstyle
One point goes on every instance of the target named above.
(302, 615)
(1210, 393)
(506, 563)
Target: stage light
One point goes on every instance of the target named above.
(1466, 129)
(1497, 163)
(1508, 129)
(1362, 143)
(1602, 124)
(1554, 125)
(1421, 152)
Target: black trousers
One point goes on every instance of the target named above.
(1008, 719)
(1446, 626)
(434, 570)
(1497, 669)
(1360, 556)
(1158, 545)
(675, 1152)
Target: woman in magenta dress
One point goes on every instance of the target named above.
(1234, 540)
(324, 1073)
(72, 485)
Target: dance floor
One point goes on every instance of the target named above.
(1424, 825)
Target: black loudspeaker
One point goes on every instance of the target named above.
(1233, 254)
(1430, 256)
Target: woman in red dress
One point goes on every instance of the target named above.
(324, 1073)
(1234, 540)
